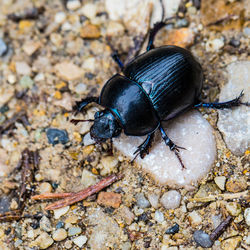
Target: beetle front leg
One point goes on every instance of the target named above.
(222, 105)
(143, 149)
(172, 146)
(84, 102)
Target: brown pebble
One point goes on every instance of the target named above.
(236, 185)
(183, 37)
(109, 199)
(90, 31)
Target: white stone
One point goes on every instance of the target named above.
(80, 88)
(59, 235)
(214, 45)
(220, 182)
(88, 178)
(87, 140)
(73, 4)
(247, 216)
(89, 10)
(11, 79)
(154, 200)
(171, 199)
(159, 216)
(194, 218)
(191, 131)
(235, 123)
(80, 240)
(60, 211)
(22, 68)
(60, 17)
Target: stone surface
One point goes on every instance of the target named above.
(159, 216)
(220, 182)
(74, 231)
(68, 71)
(59, 235)
(171, 199)
(234, 123)
(43, 241)
(191, 131)
(109, 199)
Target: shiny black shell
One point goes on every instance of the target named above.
(171, 77)
(157, 85)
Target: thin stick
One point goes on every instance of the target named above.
(51, 196)
(81, 195)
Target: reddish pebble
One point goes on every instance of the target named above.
(109, 199)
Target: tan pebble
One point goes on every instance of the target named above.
(68, 244)
(88, 149)
(236, 185)
(231, 243)
(45, 187)
(127, 215)
(109, 164)
(220, 182)
(109, 199)
(233, 208)
(183, 37)
(31, 47)
(194, 219)
(72, 219)
(22, 68)
(44, 240)
(60, 234)
(90, 31)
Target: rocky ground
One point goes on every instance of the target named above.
(53, 53)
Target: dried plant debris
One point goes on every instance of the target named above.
(53, 54)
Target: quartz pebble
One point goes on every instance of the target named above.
(80, 240)
(233, 208)
(74, 231)
(220, 182)
(59, 235)
(60, 211)
(247, 216)
(88, 178)
(68, 71)
(109, 165)
(234, 123)
(22, 68)
(171, 199)
(44, 240)
(87, 140)
(159, 217)
(60, 17)
(141, 201)
(214, 45)
(45, 224)
(154, 200)
(191, 131)
(194, 218)
(80, 88)
(3, 47)
(73, 4)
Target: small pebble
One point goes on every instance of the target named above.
(26, 82)
(60, 17)
(90, 31)
(89, 10)
(45, 224)
(60, 224)
(236, 185)
(59, 235)
(80, 240)
(181, 23)
(246, 31)
(11, 79)
(141, 201)
(3, 47)
(45, 187)
(60, 211)
(194, 219)
(109, 199)
(87, 140)
(68, 71)
(109, 164)
(159, 216)
(172, 230)
(73, 4)
(214, 45)
(220, 182)
(247, 216)
(18, 242)
(44, 240)
(88, 178)
(80, 88)
(233, 208)
(154, 200)
(56, 136)
(68, 244)
(171, 199)
(234, 42)
(231, 243)
(202, 239)
(22, 68)
(72, 219)
(127, 215)
(74, 231)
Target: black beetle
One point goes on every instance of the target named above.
(155, 86)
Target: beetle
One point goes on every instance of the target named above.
(155, 86)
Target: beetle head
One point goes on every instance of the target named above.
(105, 126)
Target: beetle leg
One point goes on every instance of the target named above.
(143, 149)
(172, 146)
(84, 102)
(223, 105)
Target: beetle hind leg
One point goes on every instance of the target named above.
(143, 149)
(83, 103)
(173, 147)
(222, 105)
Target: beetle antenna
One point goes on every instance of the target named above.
(76, 121)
